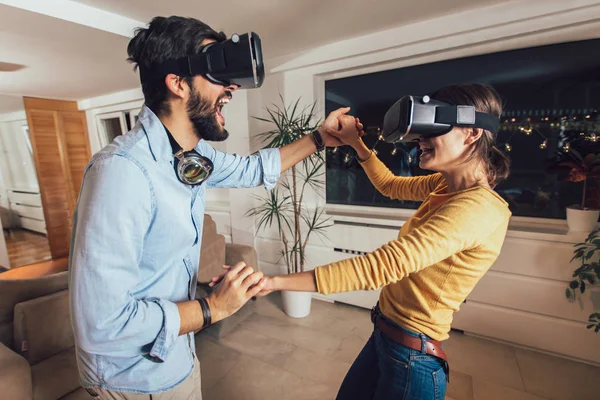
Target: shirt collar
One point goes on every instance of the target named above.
(157, 135)
(156, 131)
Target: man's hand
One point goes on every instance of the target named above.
(268, 286)
(348, 132)
(333, 122)
(268, 283)
(233, 289)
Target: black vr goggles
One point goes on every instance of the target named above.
(413, 117)
(236, 61)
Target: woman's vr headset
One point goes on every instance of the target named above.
(413, 117)
(236, 61)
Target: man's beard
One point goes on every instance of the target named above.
(202, 114)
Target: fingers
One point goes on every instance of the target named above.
(254, 291)
(237, 268)
(339, 111)
(334, 132)
(217, 279)
(346, 120)
(360, 127)
(252, 279)
(244, 273)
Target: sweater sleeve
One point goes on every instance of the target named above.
(461, 223)
(415, 188)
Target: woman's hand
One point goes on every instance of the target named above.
(349, 130)
(333, 121)
(266, 282)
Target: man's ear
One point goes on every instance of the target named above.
(473, 135)
(176, 85)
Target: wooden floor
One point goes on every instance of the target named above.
(26, 247)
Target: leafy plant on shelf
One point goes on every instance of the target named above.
(587, 274)
(581, 169)
(285, 206)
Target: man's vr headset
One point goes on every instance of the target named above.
(413, 117)
(236, 61)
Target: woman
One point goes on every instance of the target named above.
(440, 254)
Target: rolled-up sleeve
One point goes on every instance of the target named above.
(169, 331)
(233, 170)
(114, 212)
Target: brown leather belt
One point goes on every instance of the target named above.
(433, 347)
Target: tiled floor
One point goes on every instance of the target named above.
(272, 356)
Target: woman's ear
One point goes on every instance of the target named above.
(473, 135)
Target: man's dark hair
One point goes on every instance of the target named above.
(167, 38)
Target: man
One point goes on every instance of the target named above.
(137, 228)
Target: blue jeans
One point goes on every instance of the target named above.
(385, 369)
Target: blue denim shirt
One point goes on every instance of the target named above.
(135, 252)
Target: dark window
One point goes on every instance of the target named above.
(551, 98)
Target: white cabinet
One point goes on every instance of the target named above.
(27, 208)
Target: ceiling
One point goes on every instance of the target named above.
(62, 59)
(74, 61)
(287, 27)
(9, 104)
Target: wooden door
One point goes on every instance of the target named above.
(61, 150)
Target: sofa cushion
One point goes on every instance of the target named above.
(209, 228)
(79, 394)
(56, 376)
(18, 290)
(212, 258)
(43, 327)
(235, 253)
(15, 375)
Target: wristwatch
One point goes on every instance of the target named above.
(318, 139)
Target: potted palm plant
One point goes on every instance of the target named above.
(285, 205)
(581, 217)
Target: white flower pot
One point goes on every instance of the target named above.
(295, 304)
(582, 220)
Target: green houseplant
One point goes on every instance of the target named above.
(285, 207)
(587, 274)
(584, 216)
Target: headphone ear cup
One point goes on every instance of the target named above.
(193, 169)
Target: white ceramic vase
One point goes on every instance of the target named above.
(295, 304)
(582, 220)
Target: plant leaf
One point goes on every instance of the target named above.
(574, 284)
(569, 294)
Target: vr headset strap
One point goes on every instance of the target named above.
(188, 66)
(466, 116)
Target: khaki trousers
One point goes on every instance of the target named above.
(190, 389)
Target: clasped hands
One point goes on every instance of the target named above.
(340, 129)
(235, 286)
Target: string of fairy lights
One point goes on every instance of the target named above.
(572, 126)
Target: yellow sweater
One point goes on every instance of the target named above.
(440, 255)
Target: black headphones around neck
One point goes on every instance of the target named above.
(191, 168)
